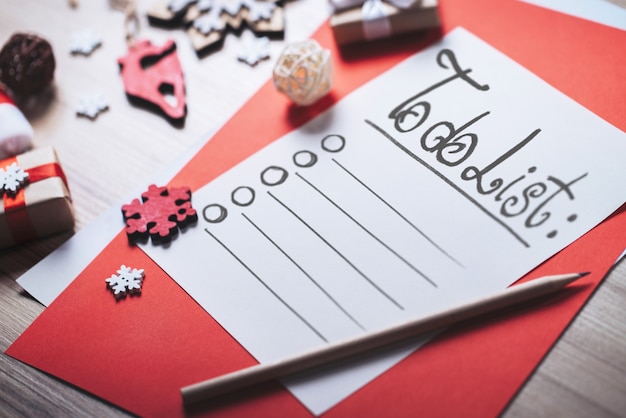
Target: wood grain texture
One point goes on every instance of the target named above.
(583, 376)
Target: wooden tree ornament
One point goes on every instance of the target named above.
(170, 14)
(208, 21)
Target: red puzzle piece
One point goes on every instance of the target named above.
(160, 215)
(150, 73)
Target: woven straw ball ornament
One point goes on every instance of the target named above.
(304, 72)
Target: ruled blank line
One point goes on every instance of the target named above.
(343, 257)
(422, 233)
(367, 231)
(328, 295)
(311, 327)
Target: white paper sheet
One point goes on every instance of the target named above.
(607, 12)
(446, 178)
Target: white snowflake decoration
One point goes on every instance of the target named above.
(209, 22)
(84, 42)
(177, 6)
(126, 282)
(212, 20)
(91, 106)
(259, 10)
(204, 5)
(12, 179)
(254, 50)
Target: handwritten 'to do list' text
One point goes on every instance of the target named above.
(453, 146)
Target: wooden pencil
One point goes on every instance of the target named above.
(342, 350)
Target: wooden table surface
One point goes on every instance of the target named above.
(105, 159)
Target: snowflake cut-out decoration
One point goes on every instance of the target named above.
(258, 10)
(177, 6)
(208, 22)
(254, 50)
(12, 178)
(212, 20)
(84, 43)
(160, 215)
(92, 106)
(127, 281)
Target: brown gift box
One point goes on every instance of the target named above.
(349, 24)
(42, 206)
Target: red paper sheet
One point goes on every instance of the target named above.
(137, 353)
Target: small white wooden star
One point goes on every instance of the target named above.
(85, 42)
(12, 179)
(254, 50)
(91, 106)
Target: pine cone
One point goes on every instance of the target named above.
(26, 64)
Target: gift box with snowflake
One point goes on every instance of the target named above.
(36, 200)
(363, 20)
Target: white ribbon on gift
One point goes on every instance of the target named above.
(376, 22)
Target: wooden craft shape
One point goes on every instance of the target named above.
(234, 19)
(150, 73)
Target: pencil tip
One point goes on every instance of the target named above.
(565, 279)
(569, 278)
